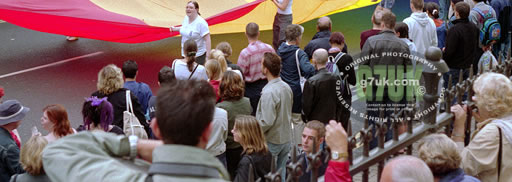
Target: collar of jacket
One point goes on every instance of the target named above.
(6, 133)
(322, 34)
(322, 70)
(461, 20)
(188, 155)
(386, 31)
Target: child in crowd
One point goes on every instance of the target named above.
(432, 10)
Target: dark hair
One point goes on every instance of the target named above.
(337, 38)
(58, 115)
(190, 50)
(185, 109)
(252, 29)
(456, 1)
(231, 86)
(272, 62)
(101, 115)
(463, 9)
(433, 9)
(389, 19)
(403, 29)
(166, 75)
(130, 69)
(196, 5)
(417, 4)
(293, 31)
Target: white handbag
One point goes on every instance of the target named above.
(131, 125)
(302, 79)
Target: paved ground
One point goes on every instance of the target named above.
(40, 69)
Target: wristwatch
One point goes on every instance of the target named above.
(133, 146)
(335, 155)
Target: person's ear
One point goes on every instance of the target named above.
(155, 128)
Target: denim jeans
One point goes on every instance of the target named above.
(502, 49)
(280, 24)
(280, 151)
(444, 7)
(222, 159)
(388, 4)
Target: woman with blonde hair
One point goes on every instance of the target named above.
(440, 154)
(32, 161)
(213, 70)
(110, 85)
(491, 144)
(55, 120)
(218, 56)
(248, 133)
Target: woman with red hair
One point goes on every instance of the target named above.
(55, 120)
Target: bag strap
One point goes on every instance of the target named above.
(297, 61)
(129, 108)
(253, 166)
(15, 176)
(484, 17)
(499, 154)
(173, 66)
(180, 169)
(193, 71)
(338, 57)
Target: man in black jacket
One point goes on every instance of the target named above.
(461, 44)
(383, 51)
(321, 38)
(319, 96)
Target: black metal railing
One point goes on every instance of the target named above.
(417, 128)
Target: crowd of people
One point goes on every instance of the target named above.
(215, 120)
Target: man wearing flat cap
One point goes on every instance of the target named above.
(11, 114)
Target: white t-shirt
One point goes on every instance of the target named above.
(195, 31)
(288, 10)
(182, 73)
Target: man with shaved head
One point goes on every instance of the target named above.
(319, 96)
(376, 20)
(321, 38)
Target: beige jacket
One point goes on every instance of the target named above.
(479, 158)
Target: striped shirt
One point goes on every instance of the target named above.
(250, 60)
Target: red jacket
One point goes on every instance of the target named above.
(338, 172)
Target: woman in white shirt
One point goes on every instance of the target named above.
(282, 19)
(194, 27)
(186, 69)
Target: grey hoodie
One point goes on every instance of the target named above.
(422, 31)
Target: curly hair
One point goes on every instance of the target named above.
(440, 154)
(110, 79)
(494, 94)
(231, 86)
(58, 115)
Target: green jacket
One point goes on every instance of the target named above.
(94, 156)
